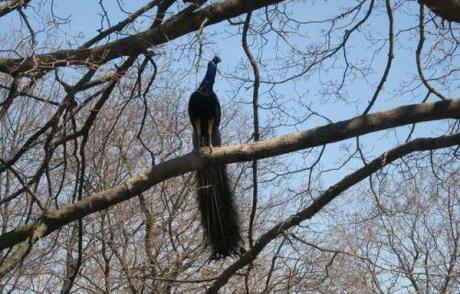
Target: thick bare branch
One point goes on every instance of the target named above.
(358, 126)
(171, 29)
(12, 5)
(386, 158)
(447, 9)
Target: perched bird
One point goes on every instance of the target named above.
(219, 215)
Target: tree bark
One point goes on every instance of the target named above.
(330, 133)
(447, 9)
(173, 28)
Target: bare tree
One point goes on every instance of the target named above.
(340, 128)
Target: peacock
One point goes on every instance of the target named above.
(219, 215)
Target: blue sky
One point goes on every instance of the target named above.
(85, 19)
(309, 90)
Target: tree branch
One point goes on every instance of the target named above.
(12, 5)
(173, 28)
(335, 132)
(384, 159)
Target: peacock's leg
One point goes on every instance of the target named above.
(197, 126)
(210, 126)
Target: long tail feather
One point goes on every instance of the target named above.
(218, 212)
(219, 215)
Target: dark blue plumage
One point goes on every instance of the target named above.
(219, 215)
(208, 80)
(204, 108)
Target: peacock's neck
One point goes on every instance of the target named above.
(207, 84)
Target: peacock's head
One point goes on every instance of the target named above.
(216, 59)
